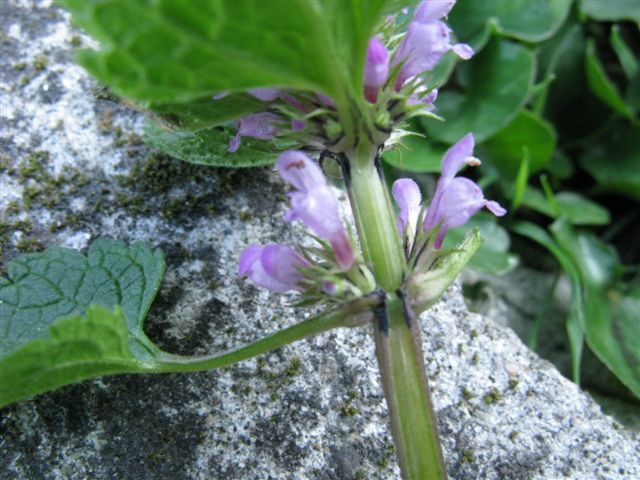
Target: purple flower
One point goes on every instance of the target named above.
(407, 195)
(426, 41)
(376, 69)
(263, 126)
(297, 125)
(430, 10)
(295, 103)
(274, 266)
(456, 199)
(325, 100)
(314, 203)
(265, 94)
(418, 97)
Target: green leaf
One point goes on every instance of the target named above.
(612, 10)
(614, 338)
(613, 159)
(210, 147)
(427, 287)
(415, 154)
(520, 19)
(575, 320)
(169, 51)
(487, 106)
(561, 51)
(612, 324)
(625, 54)
(57, 326)
(527, 132)
(561, 166)
(567, 101)
(632, 94)
(598, 262)
(43, 287)
(71, 349)
(522, 179)
(207, 112)
(573, 207)
(493, 256)
(601, 85)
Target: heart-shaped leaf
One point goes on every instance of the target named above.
(57, 325)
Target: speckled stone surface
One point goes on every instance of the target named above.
(312, 410)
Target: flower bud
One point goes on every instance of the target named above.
(376, 69)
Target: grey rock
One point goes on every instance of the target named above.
(502, 412)
(532, 306)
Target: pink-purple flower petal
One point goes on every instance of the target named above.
(315, 204)
(426, 41)
(456, 199)
(250, 255)
(421, 97)
(326, 100)
(429, 10)
(495, 208)
(376, 68)
(422, 48)
(275, 267)
(463, 50)
(265, 94)
(407, 195)
(299, 170)
(456, 157)
(263, 126)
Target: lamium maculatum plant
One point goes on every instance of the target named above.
(332, 81)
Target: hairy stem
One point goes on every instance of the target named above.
(167, 362)
(397, 338)
(375, 220)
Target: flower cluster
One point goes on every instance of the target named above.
(281, 268)
(455, 201)
(424, 44)
(392, 84)
(311, 120)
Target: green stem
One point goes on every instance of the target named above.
(413, 421)
(397, 338)
(375, 221)
(167, 362)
